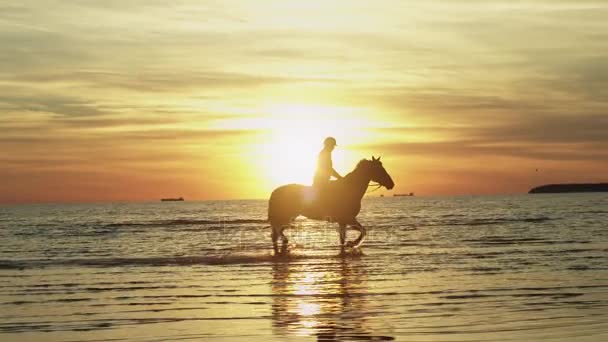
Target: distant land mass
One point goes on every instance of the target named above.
(564, 188)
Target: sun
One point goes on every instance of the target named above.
(290, 136)
(290, 155)
(295, 137)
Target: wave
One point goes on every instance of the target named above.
(229, 259)
(415, 223)
(591, 212)
(488, 221)
(183, 222)
(9, 265)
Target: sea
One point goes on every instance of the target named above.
(465, 268)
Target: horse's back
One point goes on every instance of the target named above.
(286, 202)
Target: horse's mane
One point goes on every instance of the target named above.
(358, 167)
(361, 162)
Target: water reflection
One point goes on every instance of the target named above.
(328, 300)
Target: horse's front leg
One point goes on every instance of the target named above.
(342, 236)
(362, 234)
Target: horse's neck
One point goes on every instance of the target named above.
(358, 182)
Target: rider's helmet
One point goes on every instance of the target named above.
(329, 142)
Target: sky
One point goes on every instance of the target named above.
(138, 100)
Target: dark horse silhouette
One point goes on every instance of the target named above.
(340, 202)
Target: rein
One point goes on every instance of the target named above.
(376, 186)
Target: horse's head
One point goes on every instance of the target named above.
(377, 173)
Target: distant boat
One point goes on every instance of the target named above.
(411, 194)
(181, 199)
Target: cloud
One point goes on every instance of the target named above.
(157, 81)
(58, 104)
(466, 149)
(460, 79)
(565, 137)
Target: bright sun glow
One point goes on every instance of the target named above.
(296, 137)
(292, 136)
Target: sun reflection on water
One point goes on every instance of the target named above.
(308, 309)
(328, 301)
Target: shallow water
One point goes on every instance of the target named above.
(483, 268)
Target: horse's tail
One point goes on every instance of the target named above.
(280, 204)
(272, 206)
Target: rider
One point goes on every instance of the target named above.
(325, 167)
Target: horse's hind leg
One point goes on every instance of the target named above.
(275, 236)
(284, 239)
(277, 233)
(342, 237)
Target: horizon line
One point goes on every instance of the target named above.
(236, 199)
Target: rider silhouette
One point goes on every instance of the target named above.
(325, 168)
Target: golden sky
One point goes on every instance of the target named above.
(137, 100)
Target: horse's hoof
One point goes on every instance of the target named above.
(357, 251)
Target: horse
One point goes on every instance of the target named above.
(339, 202)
